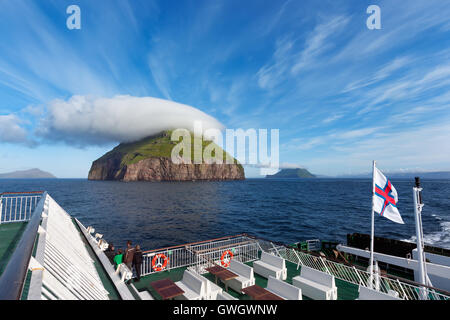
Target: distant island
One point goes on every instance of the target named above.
(27, 174)
(401, 175)
(297, 173)
(149, 159)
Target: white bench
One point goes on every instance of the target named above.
(211, 289)
(145, 295)
(193, 287)
(245, 277)
(125, 273)
(316, 284)
(225, 296)
(270, 265)
(284, 290)
(371, 294)
(102, 245)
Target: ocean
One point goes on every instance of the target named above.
(159, 214)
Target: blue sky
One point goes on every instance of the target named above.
(340, 94)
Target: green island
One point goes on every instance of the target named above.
(297, 173)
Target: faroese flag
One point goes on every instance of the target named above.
(385, 198)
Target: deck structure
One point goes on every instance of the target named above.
(47, 254)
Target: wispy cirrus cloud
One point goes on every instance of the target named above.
(383, 73)
(318, 42)
(332, 118)
(273, 73)
(290, 56)
(331, 138)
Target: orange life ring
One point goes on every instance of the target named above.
(159, 266)
(222, 258)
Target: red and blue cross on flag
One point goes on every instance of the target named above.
(385, 198)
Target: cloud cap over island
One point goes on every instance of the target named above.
(87, 120)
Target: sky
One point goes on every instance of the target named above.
(340, 93)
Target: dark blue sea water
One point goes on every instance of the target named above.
(170, 213)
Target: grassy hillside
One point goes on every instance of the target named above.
(159, 145)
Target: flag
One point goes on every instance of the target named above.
(385, 198)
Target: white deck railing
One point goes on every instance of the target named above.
(198, 254)
(244, 251)
(17, 207)
(356, 276)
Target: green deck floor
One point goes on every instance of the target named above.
(10, 235)
(346, 290)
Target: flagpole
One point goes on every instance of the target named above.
(372, 227)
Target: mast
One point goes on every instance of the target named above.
(372, 227)
(418, 205)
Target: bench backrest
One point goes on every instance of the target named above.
(206, 283)
(370, 294)
(318, 276)
(241, 269)
(193, 282)
(224, 296)
(273, 260)
(283, 289)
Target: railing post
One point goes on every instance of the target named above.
(326, 268)
(403, 290)
(276, 250)
(298, 258)
(357, 274)
(1, 208)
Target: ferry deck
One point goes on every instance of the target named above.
(47, 254)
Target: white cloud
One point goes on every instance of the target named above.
(402, 23)
(358, 133)
(383, 73)
(335, 138)
(85, 120)
(317, 42)
(288, 165)
(273, 73)
(11, 131)
(287, 60)
(425, 146)
(160, 74)
(332, 118)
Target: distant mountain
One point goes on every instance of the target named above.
(27, 174)
(403, 175)
(298, 173)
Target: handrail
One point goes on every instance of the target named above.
(192, 243)
(13, 277)
(360, 269)
(355, 266)
(30, 192)
(265, 239)
(219, 248)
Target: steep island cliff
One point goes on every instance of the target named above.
(150, 160)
